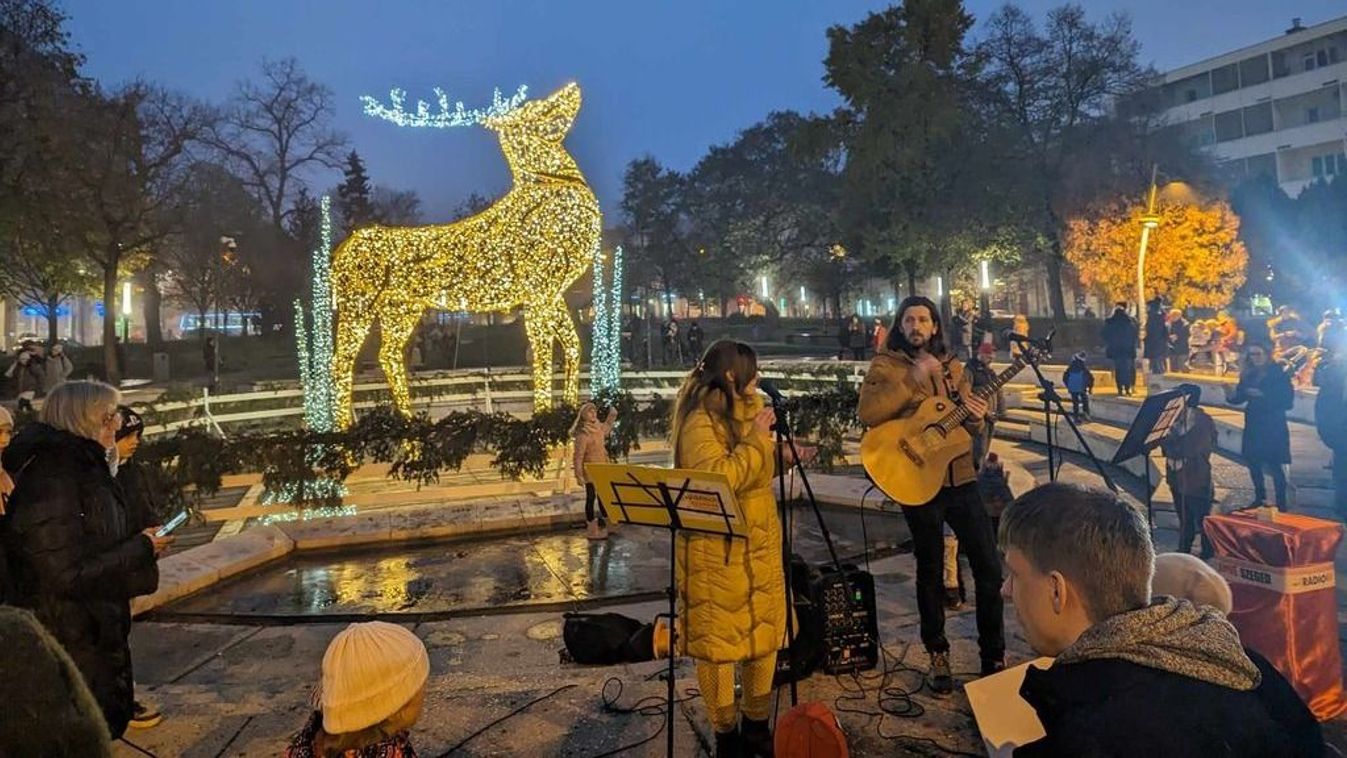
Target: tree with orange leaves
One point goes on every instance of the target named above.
(1194, 258)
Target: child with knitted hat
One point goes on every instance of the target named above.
(373, 688)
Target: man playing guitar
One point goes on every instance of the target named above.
(915, 364)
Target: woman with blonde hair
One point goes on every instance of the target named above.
(73, 558)
(587, 437)
(372, 693)
(732, 592)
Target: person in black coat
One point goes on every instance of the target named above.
(143, 504)
(1179, 332)
(1265, 390)
(1134, 674)
(74, 559)
(857, 338)
(1157, 337)
(1120, 346)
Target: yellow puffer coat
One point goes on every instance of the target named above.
(732, 593)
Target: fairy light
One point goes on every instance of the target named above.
(524, 251)
(459, 116)
(606, 340)
(314, 348)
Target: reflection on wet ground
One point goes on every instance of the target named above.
(523, 570)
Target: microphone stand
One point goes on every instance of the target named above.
(1050, 400)
(784, 440)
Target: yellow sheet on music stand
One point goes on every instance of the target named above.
(704, 500)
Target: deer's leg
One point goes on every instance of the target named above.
(539, 326)
(565, 333)
(352, 328)
(396, 327)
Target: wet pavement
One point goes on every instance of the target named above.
(556, 569)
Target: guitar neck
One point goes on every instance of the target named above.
(960, 414)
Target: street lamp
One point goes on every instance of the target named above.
(1149, 221)
(984, 304)
(126, 311)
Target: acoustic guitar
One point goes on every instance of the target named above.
(909, 457)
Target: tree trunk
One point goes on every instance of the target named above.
(911, 281)
(53, 321)
(112, 368)
(1054, 266)
(154, 332)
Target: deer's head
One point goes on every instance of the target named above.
(530, 133)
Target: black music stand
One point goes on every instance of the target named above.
(674, 499)
(1150, 427)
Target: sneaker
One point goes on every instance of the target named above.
(941, 678)
(952, 599)
(144, 716)
(596, 532)
(993, 665)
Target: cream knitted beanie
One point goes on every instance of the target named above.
(370, 671)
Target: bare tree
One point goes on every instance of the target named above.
(135, 152)
(395, 207)
(1056, 86)
(219, 214)
(274, 129)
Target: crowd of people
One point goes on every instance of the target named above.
(1133, 646)
(35, 371)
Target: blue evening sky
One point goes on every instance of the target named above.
(664, 78)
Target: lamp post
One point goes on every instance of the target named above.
(1149, 221)
(984, 297)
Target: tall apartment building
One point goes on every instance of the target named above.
(1272, 108)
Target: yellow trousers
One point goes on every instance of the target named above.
(716, 681)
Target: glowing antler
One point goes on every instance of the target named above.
(446, 118)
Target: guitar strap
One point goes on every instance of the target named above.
(951, 388)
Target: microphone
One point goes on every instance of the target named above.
(769, 387)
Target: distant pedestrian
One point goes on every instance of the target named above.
(1202, 341)
(1089, 313)
(994, 484)
(1331, 319)
(857, 338)
(673, 347)
(696, 341)
(843, 338)
(961, 328)
(1079, 381)
(1179, 329)
(27, 378)
(1157, 337)
(1265, 390)
(56, 368)
(1019, 326)
(1188, 448)
(210, 356)
(588, 436)
(879, 334)
(1330, 409)
(1120, 346)
(1287, 330)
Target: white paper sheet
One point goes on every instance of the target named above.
(1005, 720)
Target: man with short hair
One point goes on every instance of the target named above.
(1133, 675)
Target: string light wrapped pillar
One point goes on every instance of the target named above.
(524, 251)
(606, 337)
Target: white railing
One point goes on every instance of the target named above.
(482, 389)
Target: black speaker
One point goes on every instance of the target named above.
(846, 600)
(806, 653)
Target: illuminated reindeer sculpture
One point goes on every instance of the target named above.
(522, 252)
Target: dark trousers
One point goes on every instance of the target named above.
(591, 498)
(1192, 509)
(1340, 483)
(1080, 400)
(1256, 470)
(1125, 373)
(858, 353)
(960, 507)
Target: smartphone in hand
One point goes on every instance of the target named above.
(172, 524)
